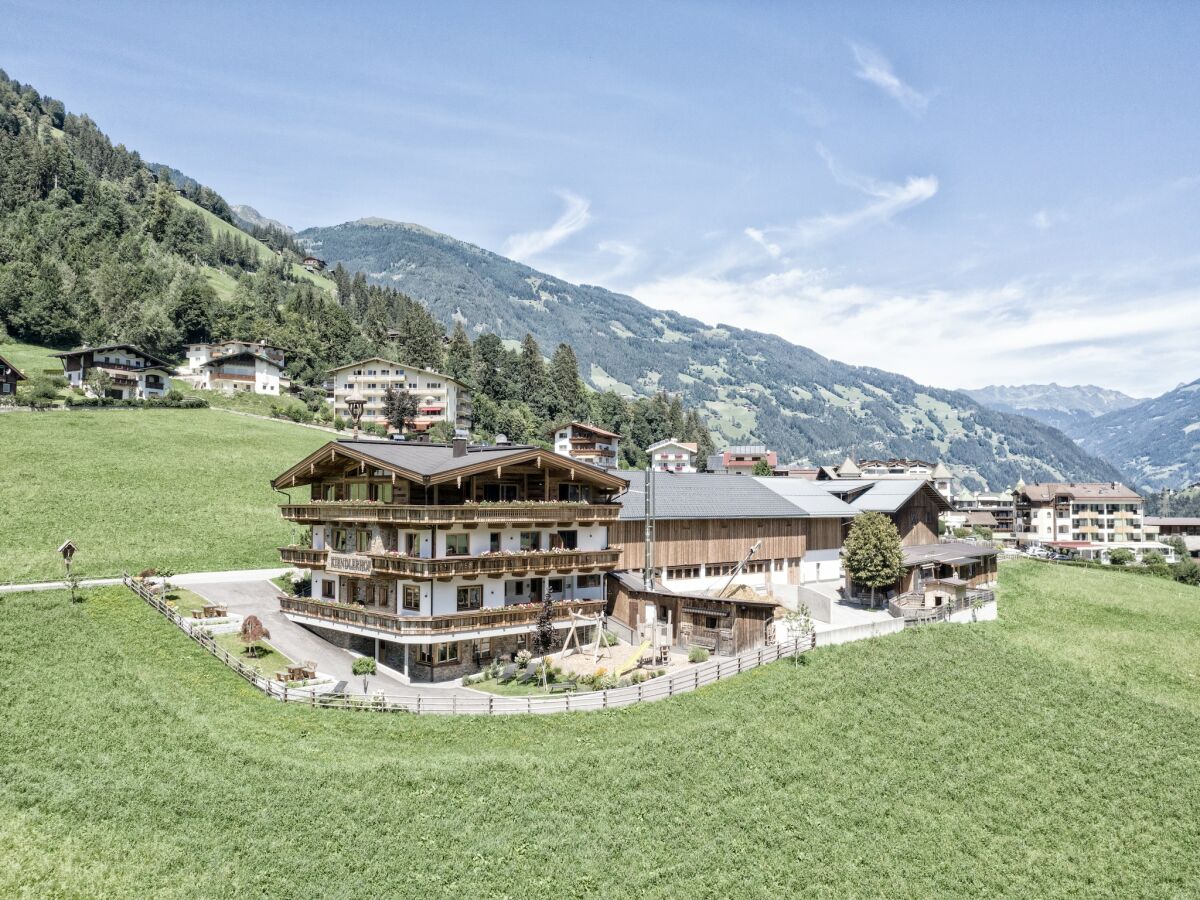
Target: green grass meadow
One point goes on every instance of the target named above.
(183, 489)
(1053, 753)
(30, 359)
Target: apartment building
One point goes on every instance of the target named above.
(673, 455)
(435, 558)
(587, 443)
(1087, 519)
(133, 374)
(439, 397)
(741, 459)
(233, 366)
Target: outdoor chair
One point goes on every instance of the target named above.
(531, 675)
(509, 673)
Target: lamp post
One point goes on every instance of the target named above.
(355, 404)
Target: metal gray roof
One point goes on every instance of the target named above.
(880, 495)
(949, 552)
(716, 496)
(807, 496)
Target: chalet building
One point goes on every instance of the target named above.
(435, 558)
(440, 398)
(9, 376)
(741, 460)
(999, 505)
(673, 455)
(134, 373)
(1087, 519)
(586, 443)
(232, 366)
(914, 506)
(313, 264)
(705, 527)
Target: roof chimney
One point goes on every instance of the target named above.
(460, 447)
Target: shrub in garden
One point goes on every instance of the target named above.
(697, 655)
(523, 658)
(1122, 556)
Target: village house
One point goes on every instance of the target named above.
(998, 504)
(133, 373)
(439, 397)
(914, 506)
(232, 366)
(313, 264)
(741, 459)
(435, 558)
(673, 455)
(1088, 520)
(9, 376)
(586, 443)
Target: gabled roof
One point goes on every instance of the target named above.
(584, 426)
(20, 375)
(848, 468)
(396, 365)
(940, 471)
(807, 496)
(1043, 492)
(243, 354)
(672, 442)
(747, 450)
(953, 552)
(709, 496)
(884, 495)
(436, 463)
(137, 351)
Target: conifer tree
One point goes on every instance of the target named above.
(565, 391)
(458, 355)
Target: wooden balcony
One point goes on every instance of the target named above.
(446, 627)
(305, 557)
(497, 514)
(446, 567)
(496, 566)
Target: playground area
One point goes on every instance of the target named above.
(591, 658)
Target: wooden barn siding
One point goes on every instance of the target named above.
(917, 520)
(691, 542)
(748, 621)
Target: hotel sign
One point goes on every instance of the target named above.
(349, 564)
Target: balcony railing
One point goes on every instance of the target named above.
(305, 557)
(495, 566)
(433, 626)
(365, 564)
(467, 514)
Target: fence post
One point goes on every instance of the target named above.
(696, 673)
(418, 704)
(491, 704)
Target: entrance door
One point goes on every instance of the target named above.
(535, 590)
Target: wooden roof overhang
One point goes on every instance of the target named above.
(305, 471)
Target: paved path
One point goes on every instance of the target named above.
(259, 597)
(185, 580)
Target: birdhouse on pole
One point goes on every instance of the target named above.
(66, 551)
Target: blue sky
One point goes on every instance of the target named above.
(963, 193)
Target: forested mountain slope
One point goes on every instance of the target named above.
(1157, 442)
(752, 386)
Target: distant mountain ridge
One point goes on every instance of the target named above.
(751, 385)
(1066, 407)
(248, 217)
(1156, 442)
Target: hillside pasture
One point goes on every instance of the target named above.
(1049, 754)
(181, 489)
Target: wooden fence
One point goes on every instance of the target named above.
(489, 704)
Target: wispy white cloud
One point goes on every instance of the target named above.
(773, 250)
(1035, 331)
(574, 218)
(886, 199)
(875, 68)
(1041, 220)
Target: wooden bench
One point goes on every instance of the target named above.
(561, 687)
